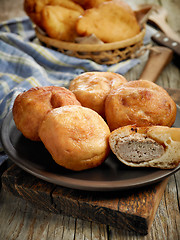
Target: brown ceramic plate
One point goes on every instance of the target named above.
(110, 176)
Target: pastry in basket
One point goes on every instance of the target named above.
(59, 22)
(33, 9)
(92, 88)
(76, 137)
(140, 103)
(31, 106)
(111, 21)
(153, 146)
(69, 4)
(53, 15)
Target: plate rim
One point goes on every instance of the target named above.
(79, 184)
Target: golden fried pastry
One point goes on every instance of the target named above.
(31, 106)
(154, 146)
(76, 137)
(86, 4)
(59, 22)
(140, 103)
(33, 9)
(67, 4)
(92, 88)
(111, 21)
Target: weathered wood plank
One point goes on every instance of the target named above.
(133, 209)
(24, 221)
(19, 220)
(30, 222)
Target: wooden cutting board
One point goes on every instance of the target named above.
(133, 210)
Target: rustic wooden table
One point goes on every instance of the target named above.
(20, 220)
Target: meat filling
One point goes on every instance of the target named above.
(138, 148)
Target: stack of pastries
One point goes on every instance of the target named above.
(75, 136)
(65, 20)
(101, 111)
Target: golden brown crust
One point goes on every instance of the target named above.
(31, 106)
(67, 4)
(110, 21)
(33, 9)
(92, 88)
(56, 17)
(86, 4)
(76, 137)
(140, 103)
(59, 22)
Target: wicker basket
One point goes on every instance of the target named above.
(107, 53)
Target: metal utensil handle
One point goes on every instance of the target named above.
(161, 39)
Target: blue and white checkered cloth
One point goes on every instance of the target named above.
(25, 64)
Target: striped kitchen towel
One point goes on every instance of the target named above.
(24, 63)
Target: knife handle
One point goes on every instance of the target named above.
(161, 39)
(159, 57)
